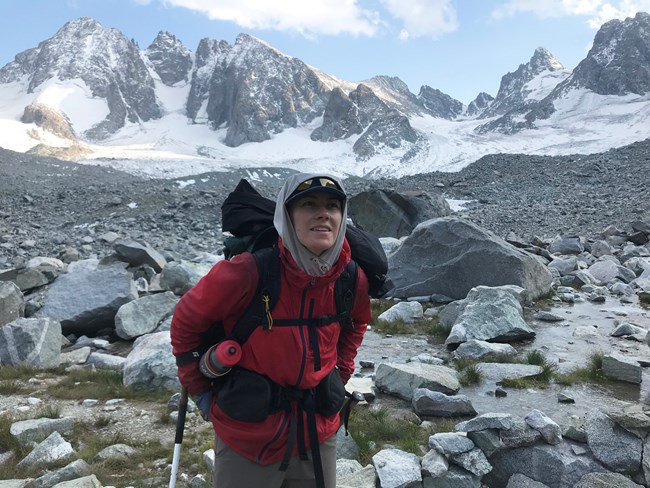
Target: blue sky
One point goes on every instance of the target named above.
(461, 47)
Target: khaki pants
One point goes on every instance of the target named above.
(234, 471)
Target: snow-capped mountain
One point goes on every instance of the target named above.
(530, 82)
(617, 67)
(92, 95)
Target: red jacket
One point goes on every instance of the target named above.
(282, 353)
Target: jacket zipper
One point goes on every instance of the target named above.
(303, 361)
(278, 433)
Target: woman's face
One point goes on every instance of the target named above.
(316, 218)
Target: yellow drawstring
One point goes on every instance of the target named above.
(269, 319)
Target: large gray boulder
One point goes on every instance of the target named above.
(555, 466)
(144, 315)
(151, 364)
(86, 298)
(489, 314)
(33, 341)
(615, 447)
(450, 256)
(403, 379)
(391, 214)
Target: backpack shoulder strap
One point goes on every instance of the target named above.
(344, 289)
(268, 292)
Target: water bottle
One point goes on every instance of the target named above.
(220, 358)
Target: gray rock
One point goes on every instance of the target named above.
(521, 481)
(613, 446)
(455, 477)
(473, 461)
(489, 314)
(26, 432)
(87, 297)
(116, 451)
(144, 315)
(566, 245)
(449, 443)
(106, 361)
(397, 469)
(85, 482)
(550, 431)
(392, 214)
(151, 363)
(497, 372)
(475, 349)
(31, 341)
(488, 440)
(429, 403)
(52, 450)
(622, 368)
(407, 312)
(139, 253)
(501, 421)
(443, 256)
(519, 435)
(434, 464)
(74, 470)
(606, 480)
(554, 466)
(403, 379)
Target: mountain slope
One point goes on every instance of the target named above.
(89, 92)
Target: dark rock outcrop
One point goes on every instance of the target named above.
(170, 58)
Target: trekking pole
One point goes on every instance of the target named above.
(178, 440)
(351, 400)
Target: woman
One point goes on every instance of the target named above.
(310, 218)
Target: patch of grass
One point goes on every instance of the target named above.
(102, 421)
(399, 327)
(9, 387)
(593, 373)
(541, 380)
(19, 372)
(7, 441)
(644, 299)
(48, 410)
(470, 375)
(374, 428)
(101, 385)
(395, 327)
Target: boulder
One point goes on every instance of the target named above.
(450, 256)
(391, 214)
(31, 341)
(87, 297)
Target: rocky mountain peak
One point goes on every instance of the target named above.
(617, 63)
(109, 64)
(439, 104)
(543, 60)
(255, 90)
(479, 104)
(514, 90)
(395, 93)
(170, 58)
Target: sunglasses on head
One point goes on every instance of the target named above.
(312, 182)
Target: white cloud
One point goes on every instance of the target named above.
(597, 11)
(309, 18)
(423, 18)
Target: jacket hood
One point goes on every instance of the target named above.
(307, 261)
